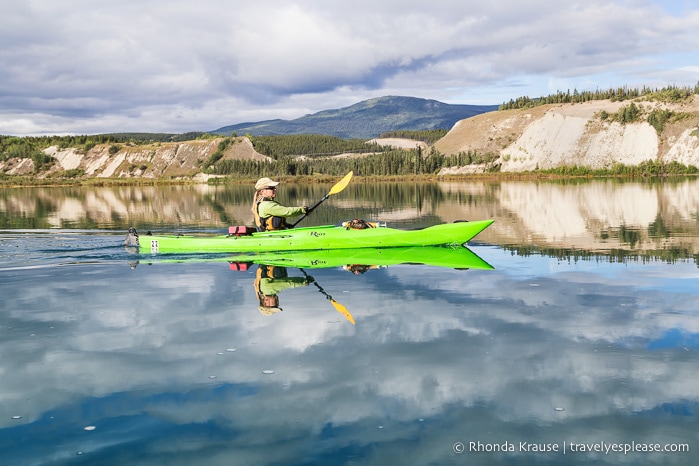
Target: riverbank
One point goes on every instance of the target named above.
(562, 173)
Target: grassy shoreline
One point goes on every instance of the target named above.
(16, 181)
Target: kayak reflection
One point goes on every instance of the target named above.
(272, 277)
(362, 260)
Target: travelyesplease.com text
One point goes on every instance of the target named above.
(568, 447)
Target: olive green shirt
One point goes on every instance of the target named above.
(272, 286)
(274, 209)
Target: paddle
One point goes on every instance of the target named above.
(339, 186)
(339, 307)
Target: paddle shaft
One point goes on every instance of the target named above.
(339, 186)
(311, 209)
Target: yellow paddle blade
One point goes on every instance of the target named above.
(342, 184)
(342, 310)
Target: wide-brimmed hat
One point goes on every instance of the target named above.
(265, 183)
(269, 310)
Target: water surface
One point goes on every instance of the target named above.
(583, 337)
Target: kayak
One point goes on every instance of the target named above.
(354, 260)
(313, 238)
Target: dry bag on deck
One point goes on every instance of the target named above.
(241, 231)
(358, 224)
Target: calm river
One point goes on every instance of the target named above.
(580, 346)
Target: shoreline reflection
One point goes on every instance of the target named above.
(592, 215)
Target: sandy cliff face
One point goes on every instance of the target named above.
(161, 160)
(574, 134)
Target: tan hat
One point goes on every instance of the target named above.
(269, 310)
(264, 183)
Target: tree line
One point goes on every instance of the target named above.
(666, 94)
(32, 146)
(399, 162)
(649, 168)
(428, 136)
(310, 145)
(319, 145)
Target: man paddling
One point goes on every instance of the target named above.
(269, 214)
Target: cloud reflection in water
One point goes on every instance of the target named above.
(537, 349)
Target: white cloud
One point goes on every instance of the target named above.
(84, 67)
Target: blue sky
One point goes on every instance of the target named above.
(94, 66)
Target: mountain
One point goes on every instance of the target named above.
(367, 119)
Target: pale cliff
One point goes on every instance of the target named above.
(168, 160)
(575, 134)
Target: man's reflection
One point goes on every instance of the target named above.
(270, 281)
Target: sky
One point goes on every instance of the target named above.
(101, 66)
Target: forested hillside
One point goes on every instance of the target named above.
(667, 94)
(367, 119)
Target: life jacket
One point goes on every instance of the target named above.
(269, 223)
(270, 272)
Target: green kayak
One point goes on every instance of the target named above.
(313, 238)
